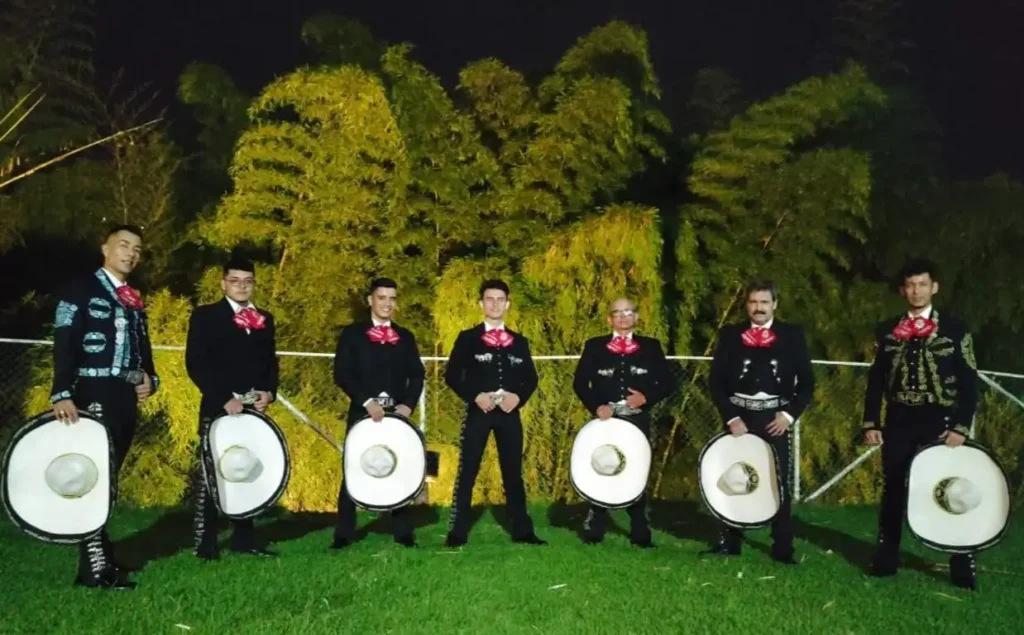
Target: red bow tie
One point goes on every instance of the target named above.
(758, 337)
(129, 297)
(383, 335)
(623, 346)
(497, 338)
(909, 328)
(250, 318)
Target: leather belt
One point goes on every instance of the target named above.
(758, 404)
(914, 398)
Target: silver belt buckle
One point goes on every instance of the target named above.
(248, 398)
(385, 400)
(623, 410)
(135, 377)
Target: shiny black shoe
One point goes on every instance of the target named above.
(208, 555)
(643, 544)
(592, 540)
(531, 539)
(784, 558)
(883, 568)
(963, 572)
(340, 543)
(406, 541)
(722, 549)
(455, 541)
(109, 581)
(260, 552)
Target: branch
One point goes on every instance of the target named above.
(71, 153)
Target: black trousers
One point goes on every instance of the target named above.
(345, 529)
(206, 516)
(639, 526)
(116, 404)
(782, 527)
(508, 436)
(907, 430)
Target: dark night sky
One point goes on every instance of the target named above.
(969, 61)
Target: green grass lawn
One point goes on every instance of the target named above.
(493, 586)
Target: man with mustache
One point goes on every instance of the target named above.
(622, 374)
(378, 366)
(925, 370)
(761, 381)
(490, 368)
(103, 364)
(230, 355)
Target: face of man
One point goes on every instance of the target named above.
(761, 307)
(383, 302)
(495, 303)
(121, 253)
(918, 290)
(239, 285)
(622, 316)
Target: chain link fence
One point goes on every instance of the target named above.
(825, 439)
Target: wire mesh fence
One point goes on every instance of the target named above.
(825, 440)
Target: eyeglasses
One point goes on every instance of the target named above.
(241, 282)
(623, 313)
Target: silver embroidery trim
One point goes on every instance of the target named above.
(65, 314)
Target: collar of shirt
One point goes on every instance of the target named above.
(378, 323)
(628, 336)
(766, 325)
(236, 307)
(113, 279)
(926, 314)
(488, 327)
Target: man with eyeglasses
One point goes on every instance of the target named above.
(622, 375)
(231, 356)
(761, 381)
(491, 369)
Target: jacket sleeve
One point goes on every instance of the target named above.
(455, 371)
(271, 363)
(582, 380)
(876, 384)
(69, 326)
(198, 363)
(664, 381)
(346, 371)
(529, 381)
(146, 352)
(804, 389)
(966, 371)
(417, 373)
(718, 381)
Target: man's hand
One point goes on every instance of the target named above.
(635, 398)
(66, 411)
(145, 389)
(263, 399)
(778, 426)
(485, 402)
(604, 412)
(509, 401)
(737, 427)
(403, 410)
(953, 439)
(233, 406)
(375, 411)
(872, 437)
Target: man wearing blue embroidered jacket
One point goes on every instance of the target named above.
(103, 363)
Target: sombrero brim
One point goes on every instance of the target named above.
(755, 509)
(405, 483)
(617, 490)
(257, 432)
(29, 501)
(978, 529)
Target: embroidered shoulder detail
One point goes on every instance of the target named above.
(65, 314)
(99, 308)
(967, 347)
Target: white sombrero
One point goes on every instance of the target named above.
(610, 463)
(248, 457)
(739, 480)
(958, 499)
(385, 462)
(58, 479)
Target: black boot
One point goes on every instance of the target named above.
(963, 571)
(728, 544)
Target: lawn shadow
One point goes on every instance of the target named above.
(572, 516)
(165, 537)
(684, 520)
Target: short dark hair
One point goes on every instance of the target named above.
(761, 284)
(239, 263)
(917, 267)
(494, 284)
(377, 283)
(123, 227)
